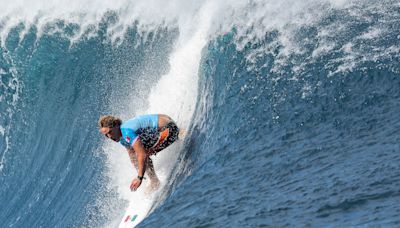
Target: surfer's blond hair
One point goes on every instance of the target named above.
(109, 121)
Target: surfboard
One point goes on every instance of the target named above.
(139, 206)
(137, 210)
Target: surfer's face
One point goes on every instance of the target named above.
(111, 133)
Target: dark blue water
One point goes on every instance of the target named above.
(298, 138)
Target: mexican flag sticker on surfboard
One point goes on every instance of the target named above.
(139, 206)
(129, 220)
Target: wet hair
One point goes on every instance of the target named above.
(109, 121)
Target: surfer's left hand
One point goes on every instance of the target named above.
(135, 184)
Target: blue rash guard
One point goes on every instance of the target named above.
(130, 129)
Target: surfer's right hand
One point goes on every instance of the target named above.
(135, 184)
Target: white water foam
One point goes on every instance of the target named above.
(252, 19)
(12, 84)
(88, 14)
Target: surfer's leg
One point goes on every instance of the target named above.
(154, 181)
(149, 167)
(151, 173)
(133, 157)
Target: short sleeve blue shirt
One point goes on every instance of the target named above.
(130, 128)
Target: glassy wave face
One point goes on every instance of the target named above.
(53, 92)
(296, 120)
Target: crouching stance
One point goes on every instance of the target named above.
(142, 136)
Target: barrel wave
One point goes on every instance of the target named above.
(290, 111)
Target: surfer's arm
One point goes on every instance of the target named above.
(141, 156)
(132, 157)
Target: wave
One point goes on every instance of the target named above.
(285, 104)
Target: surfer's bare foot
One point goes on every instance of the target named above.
(154, 185)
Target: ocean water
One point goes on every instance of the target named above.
(291, 111)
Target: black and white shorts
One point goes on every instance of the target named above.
(155, 140)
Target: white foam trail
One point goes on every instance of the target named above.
(174, 94)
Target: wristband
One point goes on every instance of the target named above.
(140, 177)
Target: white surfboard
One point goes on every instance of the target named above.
(131, 218)
(139, 207)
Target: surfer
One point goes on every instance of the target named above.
(142, 136)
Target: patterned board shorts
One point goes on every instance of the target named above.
(154, 140)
